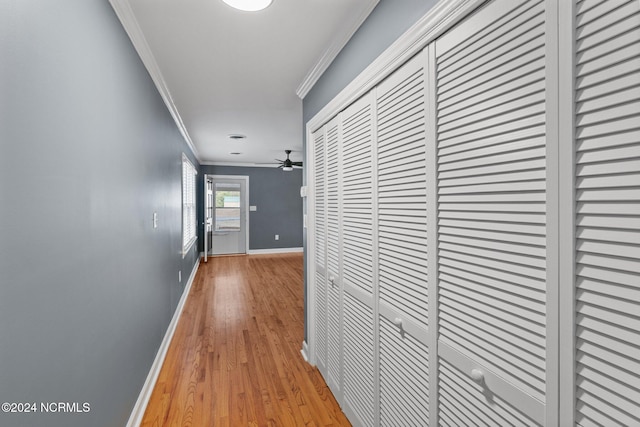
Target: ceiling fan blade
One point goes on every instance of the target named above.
(297, 164)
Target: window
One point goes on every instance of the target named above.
(188, 204)
(227, 207)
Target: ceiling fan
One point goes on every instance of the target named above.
(287, 164)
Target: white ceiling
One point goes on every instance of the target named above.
(231, 72)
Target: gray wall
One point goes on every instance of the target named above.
(88, 152)
(386, 23)
(277, 195)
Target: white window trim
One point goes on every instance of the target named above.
(189, 173)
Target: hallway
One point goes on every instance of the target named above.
(235, 357)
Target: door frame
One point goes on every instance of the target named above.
(244, 178)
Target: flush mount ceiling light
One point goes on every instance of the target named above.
(248, 5)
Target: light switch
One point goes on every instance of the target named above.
(155, 220)
(253, 208)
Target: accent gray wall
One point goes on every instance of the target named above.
(88, 151)
(277, 195)
(386, 23)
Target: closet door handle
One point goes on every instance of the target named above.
(398, 322)
(477, 375)
(332, 280)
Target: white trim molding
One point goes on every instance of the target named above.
(274, 251)
(131, 26)
(439, 19)
(305, 351)
(332, 51)
(240, 164)
(135, 419)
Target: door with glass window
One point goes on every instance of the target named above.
(229, 230)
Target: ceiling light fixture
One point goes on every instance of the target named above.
(249, 5)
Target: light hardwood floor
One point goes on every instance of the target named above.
(235, 357)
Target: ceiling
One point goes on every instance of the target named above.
(231, 72)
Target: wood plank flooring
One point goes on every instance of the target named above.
(235, 357)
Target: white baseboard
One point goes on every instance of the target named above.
(305, 351)
(145, 394)
(274, 251)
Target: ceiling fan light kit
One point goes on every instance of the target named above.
(249, 5)
(287, 165)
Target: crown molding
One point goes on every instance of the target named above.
(131, 26)
(339, 41)
(434, 23)
(239, 164)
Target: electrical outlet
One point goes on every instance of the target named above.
(179, 276)
(277, 237)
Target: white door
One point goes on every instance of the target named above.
(230, 199)
(403, 276)
(491, 217)
(605, 356)
(359, 375)
(320, 250)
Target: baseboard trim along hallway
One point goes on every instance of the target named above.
(274, 251)
(145, 394)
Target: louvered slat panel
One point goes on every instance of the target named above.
(358, 359)
(319, 194)
(334, 312)
(402, 205)
(404, 378)
(332, 190)
(357, 245)
(608, 213)
(320, 249)
(465, 403)
(321, 320)
(491, 193)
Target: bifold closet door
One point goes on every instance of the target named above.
(320, 249)
(607, 213)
(357, 262)
(491, 191)
(402, 246)
(334, 258)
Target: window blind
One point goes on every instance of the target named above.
(188, 204)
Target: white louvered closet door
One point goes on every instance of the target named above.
(320, 249)
(334, 256)
(402, 241)
(491, 216)
(357, 268)
(607, 179)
